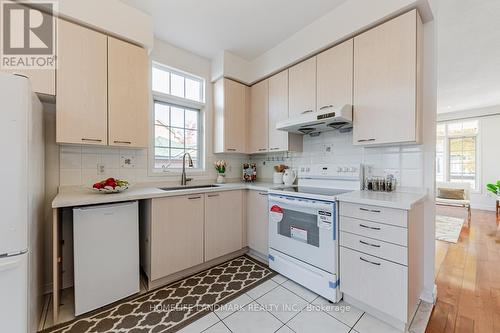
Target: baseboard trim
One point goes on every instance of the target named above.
(429, 296)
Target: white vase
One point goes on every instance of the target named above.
(221, 179)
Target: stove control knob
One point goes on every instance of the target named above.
(307, 169)
(302, 169)
(339, 169)
(345, 169)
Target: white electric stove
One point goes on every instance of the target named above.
(303, 226)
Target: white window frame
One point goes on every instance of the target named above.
(185, 103)
(478, 152)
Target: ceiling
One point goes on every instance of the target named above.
(246, 28)
(468, 54)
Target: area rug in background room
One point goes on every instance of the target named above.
(448, 228)
(169, 308)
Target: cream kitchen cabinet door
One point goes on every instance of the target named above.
(82, 84)
(176, 234)
(258, 118)
(231, 100)
(128, 94)
(387, 82)
(302, 87)
(223, 223)
(257, 222)
(334, 76)
(278, 111)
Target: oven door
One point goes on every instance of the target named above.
(304, 229)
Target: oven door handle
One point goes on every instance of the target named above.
(297, 203)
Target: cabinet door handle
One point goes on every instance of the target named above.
(213, 195)
(369, 244)
(262, 149)
(91, 140)
(370, 262)
(370, 210)
(263, 193)
(326, 107)
(231, 149)
(275, 148)
(368, 227)
(123, 142)
(194, 198)
(366, 140)
(306, 111)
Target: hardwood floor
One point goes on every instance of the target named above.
(468, 277)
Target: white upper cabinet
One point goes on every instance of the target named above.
(302, 87)
(231, 101)
(387, 82)
(334, 76)
(278, 111)
(258, 120)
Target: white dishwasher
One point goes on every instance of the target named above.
(106, 254)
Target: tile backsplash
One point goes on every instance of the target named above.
(84, 165)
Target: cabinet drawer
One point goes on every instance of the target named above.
(373, 213)
(376, 282)
(379, 231)
(388, 251)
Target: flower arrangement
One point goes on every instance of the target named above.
(220, 166)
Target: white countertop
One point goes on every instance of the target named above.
(81, 196)
(398, 199)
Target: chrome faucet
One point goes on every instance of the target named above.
(184, 180)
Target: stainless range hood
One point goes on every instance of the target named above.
(312, 122)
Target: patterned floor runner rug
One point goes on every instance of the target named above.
(169, 308)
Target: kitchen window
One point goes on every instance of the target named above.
(178, 118)
(456, 152)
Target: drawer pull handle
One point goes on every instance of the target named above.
(370, 262)
(92, 140)
(369, 210)
(231, 149)
(262, 149)
(275, 148)
(123, 142)
(193, 198)
(366, 140)
(326, 107)
(306, 111)
(368, 227)
(213, 195)
(263, 193)
(369, 244)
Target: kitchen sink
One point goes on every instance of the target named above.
(187, 187)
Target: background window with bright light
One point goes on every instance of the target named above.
(178, 98)
(456, 152)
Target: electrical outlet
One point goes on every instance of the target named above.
(101, 169)
(127, 161)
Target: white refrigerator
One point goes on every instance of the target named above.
(21, 204)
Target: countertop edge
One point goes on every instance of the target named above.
(82, 198)
(406, 204)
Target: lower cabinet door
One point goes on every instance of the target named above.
(223, 223)
(378, 283)
(258, 222)
(176, 234)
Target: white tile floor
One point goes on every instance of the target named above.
(281, 305)
(277, 305)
